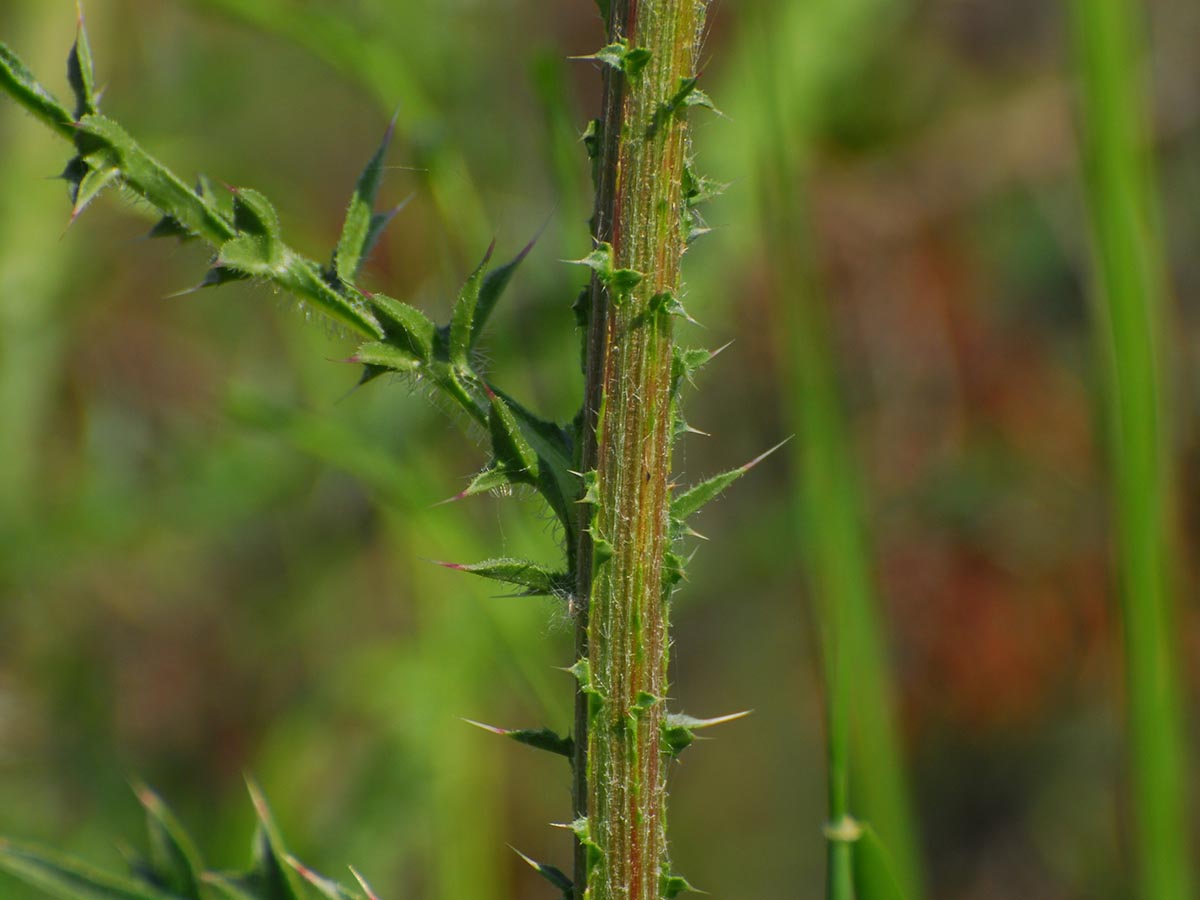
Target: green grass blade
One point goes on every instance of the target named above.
(1130, 283)
(866, 771)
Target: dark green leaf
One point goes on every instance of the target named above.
(539, 739)
(555, 876)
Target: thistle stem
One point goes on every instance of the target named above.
(640, 211)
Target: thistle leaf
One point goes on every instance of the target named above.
(494, 477)
(591, 138)
(386, 356)
(683, 94)
(406, 326)
(81, 73)
(698, 189)
(667, 304)
(691, 500)
(539, 739)
(600, 261)
(361, 227)
(90, 185)
(462, 322)
(173, 856)
(152, 180)
(70, 879)
(679, 730)
(18, 81)
(671, 886)
(493, 287)
(555, 876)
(305, 279)
(536, 579)
(622, 57)
(219, 275)
(686, 363)
(258, 247)
(509, 444)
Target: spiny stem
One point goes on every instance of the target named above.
(639, 214)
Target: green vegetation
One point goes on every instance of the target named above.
(1130, 273)
(606, 490)
(219, 524)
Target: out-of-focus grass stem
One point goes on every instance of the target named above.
(828, 508)
(1130, 286)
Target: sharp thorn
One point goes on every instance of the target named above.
(362, 882)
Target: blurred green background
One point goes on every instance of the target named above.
(214, 555)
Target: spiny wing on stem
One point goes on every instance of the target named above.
(555, 876)
(537, 580)
(695, 497)
(679, 730)
(539, 738)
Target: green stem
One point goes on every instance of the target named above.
(1130, 280)
(861, 729)
(640, 212)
